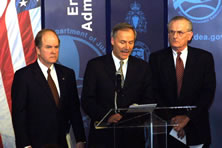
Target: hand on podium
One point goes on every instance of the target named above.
(115, 118)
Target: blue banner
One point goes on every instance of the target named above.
(206, 16)
(80, 25)
(80, 29)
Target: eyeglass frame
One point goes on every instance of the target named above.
(180, 33)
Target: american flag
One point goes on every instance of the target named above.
(20, 20)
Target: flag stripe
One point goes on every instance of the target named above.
(5, 61)
(15, 41)
(6, 76)
(3, 6)
(8, 139)
(17, 49)
(35, 16)
(27, 37)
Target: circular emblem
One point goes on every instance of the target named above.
(198, 11)
(75, 52)
(141, 51)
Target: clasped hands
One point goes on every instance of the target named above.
(115, 118)
(180, 121)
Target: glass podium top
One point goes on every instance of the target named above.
(132, 118)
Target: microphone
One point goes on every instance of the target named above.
(118, 81)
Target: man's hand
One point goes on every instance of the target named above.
(80, 145)
(114, 118)
(181, 134)
(180, 121)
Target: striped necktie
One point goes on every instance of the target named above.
(121, 73)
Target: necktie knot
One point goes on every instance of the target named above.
(121, 65)
(49, 70)
(178, 54)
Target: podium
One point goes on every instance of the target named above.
(139, 116)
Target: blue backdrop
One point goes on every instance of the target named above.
(81, 27)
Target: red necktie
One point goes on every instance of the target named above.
(53, 88)
(179, 72)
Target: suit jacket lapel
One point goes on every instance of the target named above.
(188, 71)
(130, 72)
(40, 78)
(110, 67)
(61, 80)
(169, 67)
(169, 73)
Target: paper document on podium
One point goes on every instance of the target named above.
(174, 134)
(141, 108)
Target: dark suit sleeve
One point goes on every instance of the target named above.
(19, 110)
(148, 95)
(89, 94)
(207, 88)
(155, 74)
(74, 110)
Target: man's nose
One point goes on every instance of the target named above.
(127, 46)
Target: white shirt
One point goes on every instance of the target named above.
(53, 74)
(117, 64)
(183, 56)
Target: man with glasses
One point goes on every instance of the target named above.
(184, 76)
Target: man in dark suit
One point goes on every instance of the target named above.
(99, 89)
(185, 76)
(42, 115)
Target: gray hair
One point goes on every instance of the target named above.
(122, 26)
(176, 18)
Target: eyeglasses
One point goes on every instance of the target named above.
(179, 33)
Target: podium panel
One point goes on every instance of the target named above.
(138, 118)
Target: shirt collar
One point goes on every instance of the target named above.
(45, 68)
(183, 52)
(117, 61)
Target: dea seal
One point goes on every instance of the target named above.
(76, 48)
(198, 11)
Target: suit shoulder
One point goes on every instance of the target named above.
(98, 59)
(160, 52)
(101, 60)
(26, 68)
(201, 52)
(138, 60)
(63, 68)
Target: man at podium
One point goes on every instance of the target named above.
(116, 80)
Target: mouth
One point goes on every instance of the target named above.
(53, 57)
(124, 51)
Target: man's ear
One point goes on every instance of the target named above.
(112, 40)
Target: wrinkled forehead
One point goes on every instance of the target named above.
(178, 25)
